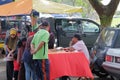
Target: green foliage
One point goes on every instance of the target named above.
(115, 21)
(117, 13)
(81, 3)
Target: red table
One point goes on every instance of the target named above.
(69, 64)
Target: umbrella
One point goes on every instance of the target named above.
(26, 6)
(53, 7)
(16, 8)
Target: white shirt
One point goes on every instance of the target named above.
(80, 46)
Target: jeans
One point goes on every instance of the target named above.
(29, 72)
(42, 69)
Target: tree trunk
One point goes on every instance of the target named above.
(105, 12)
(105, 21)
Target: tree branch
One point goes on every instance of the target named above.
(112, 6)
(98, 6)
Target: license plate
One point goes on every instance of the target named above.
(118, 59)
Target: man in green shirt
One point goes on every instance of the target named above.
(39, 49)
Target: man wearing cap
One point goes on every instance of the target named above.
(77, 44)
(39, 49)
(10, 47)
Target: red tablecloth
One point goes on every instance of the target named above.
(69, 64)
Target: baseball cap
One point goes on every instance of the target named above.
(13, 31)
(44, 24)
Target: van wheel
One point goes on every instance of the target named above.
(114, 78)
(98, 69)
(99, 73)
(64, 78)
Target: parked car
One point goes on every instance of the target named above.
(112, 62)
(65, 27)
(108, 38)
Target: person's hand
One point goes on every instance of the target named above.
(69, 49)
(10, 52)
(33, 51)
(10, 55)
(66, 49)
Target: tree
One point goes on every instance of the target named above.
(105, 12)
(88, 11)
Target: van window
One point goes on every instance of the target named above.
(89, 27)
(117, 42)
(78, 25)
(109, 38)
(70, 25)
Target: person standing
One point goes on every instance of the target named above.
(28, 61)
(39, 49)
(21, 46)
(11, 49)
(51, 40)
(16, 68)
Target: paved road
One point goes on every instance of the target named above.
(2, 70)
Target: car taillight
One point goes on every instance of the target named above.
(108, 58)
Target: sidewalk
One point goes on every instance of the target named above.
(2, 69)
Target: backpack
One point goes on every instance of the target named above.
(27, 56)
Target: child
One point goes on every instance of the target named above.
(16, 68)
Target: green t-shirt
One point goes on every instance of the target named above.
(41, 35)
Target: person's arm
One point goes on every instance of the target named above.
(7, 48)
(19, 51)
(51, 41)
(9, 51)
(18, 55)
(6, 45)
(32, 45)
(44, 40)
(32, 48)
(71, 43)
(33, 51)
(71, 49)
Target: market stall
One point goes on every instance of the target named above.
(69, 64)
